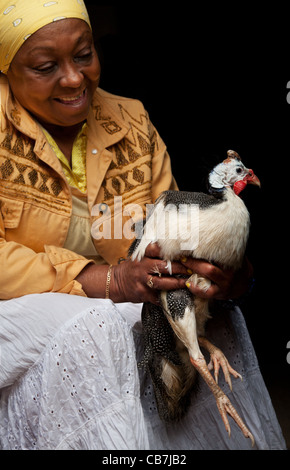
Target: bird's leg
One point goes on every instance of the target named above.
(179, 309)
(218, 360)
(223, 403)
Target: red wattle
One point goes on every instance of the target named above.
(239, 186)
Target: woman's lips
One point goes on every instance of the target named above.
(76, 100)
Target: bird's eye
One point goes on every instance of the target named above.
(239, 171)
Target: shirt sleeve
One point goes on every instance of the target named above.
(27, 272)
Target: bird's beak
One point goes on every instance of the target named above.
(251, 178)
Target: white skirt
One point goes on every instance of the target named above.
(69, 380)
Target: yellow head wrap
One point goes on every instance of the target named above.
(19, 19)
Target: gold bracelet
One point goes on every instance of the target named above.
(109, 274)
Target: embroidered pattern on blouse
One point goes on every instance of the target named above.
(33, 181)
(130, 171)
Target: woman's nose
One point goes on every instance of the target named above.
(72, 76)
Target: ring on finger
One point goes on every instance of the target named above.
(150, 282)
(156, 270)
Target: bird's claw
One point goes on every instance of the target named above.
(225, 407)
(217, 361)
(223, 403)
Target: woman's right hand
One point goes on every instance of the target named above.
(141, 281)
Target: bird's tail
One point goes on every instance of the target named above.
(172, 384)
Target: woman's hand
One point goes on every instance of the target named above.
(142, 281)
(225, 283)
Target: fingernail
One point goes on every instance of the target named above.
(183, 259)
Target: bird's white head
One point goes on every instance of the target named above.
(231, 173)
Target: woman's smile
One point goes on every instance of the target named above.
(74, 100)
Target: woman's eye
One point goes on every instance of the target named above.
(86, 56)
(44, 68)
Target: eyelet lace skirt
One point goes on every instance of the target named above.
(69, 380)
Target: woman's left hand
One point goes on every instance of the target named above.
(225, 283)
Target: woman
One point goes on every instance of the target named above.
(77, 161)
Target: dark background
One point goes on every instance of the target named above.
(211, 81)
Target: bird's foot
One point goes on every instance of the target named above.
(225, 408)
(224, 405)
(217, 361)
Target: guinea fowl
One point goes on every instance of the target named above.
(212, 227)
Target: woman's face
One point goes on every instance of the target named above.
(55, 73)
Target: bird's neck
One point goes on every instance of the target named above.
(226, 243)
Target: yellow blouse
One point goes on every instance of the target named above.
(76, 173)
(79, 238)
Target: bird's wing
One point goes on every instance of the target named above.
(177, 198)
(181, 203)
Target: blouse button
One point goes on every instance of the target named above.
(94, 151)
